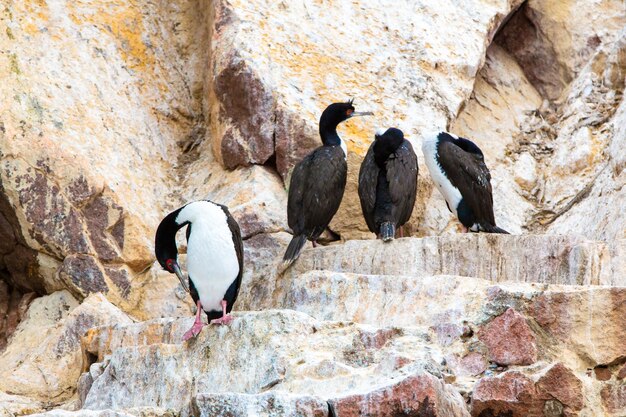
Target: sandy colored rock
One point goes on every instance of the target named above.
(491, 118)
(593, 333)
(133, 412)
(509, 339)
(43, 359)
(99, 100)
(538, 258)
(16, 405)
(290, 350)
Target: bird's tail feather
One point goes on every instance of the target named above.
(387, 231)
(292, 252)
(494, 229)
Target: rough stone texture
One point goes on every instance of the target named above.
(509, 339)
(549, 160)
(132, 412)
(99, 94)
(463, 305)
(614, 398)
(517, 395)
(258, 202)
(48, 370)
(538, 258)
(16, 405)
(117, 112)
(281, 351)
(270, 404)
(13, 307)
(420, 395)
(502, 96)
(592, 325)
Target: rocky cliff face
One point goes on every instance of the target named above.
(116, 112)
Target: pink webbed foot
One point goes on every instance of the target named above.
(197, 324)
(227, 319)
(194, 331)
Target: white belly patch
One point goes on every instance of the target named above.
(451, 194)
(212, 261)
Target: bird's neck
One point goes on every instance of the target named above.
(329, 135)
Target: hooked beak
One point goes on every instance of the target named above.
(180, 275)
(361, 113)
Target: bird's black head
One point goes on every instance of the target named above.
(386, 143)
(165, 242)
(335, 114)
(392, 135)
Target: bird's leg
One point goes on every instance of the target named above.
(401, 231)
(197, 325)
(314, 243)
(226, 318)
(464, 229)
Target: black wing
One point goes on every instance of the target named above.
(238, 242)
(368, 178)
(467, 172)
(316, 190)
(402, 176)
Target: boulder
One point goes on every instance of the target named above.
(517, 395)
(43, 358)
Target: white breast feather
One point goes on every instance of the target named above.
(212, 260)
(450, 192)
(344, 148)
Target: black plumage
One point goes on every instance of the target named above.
(318, 182)
(463, 164)
(388, 183)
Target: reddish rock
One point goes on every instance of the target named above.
(622, 373)
(509, 339)
(246, 113)
(472, 364)
(511, 394)
(289, 151)
(602, 373)
(82, 275)
(376, 339)
(447, 333)
(561, 384)
(514, 394)
(614, 398)
(421, 395)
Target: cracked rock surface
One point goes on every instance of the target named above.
(117, 112)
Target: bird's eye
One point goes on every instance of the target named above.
(349, 112)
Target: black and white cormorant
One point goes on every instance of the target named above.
(214, 258)
(317, 182)
(388, 183)
(457, 166)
